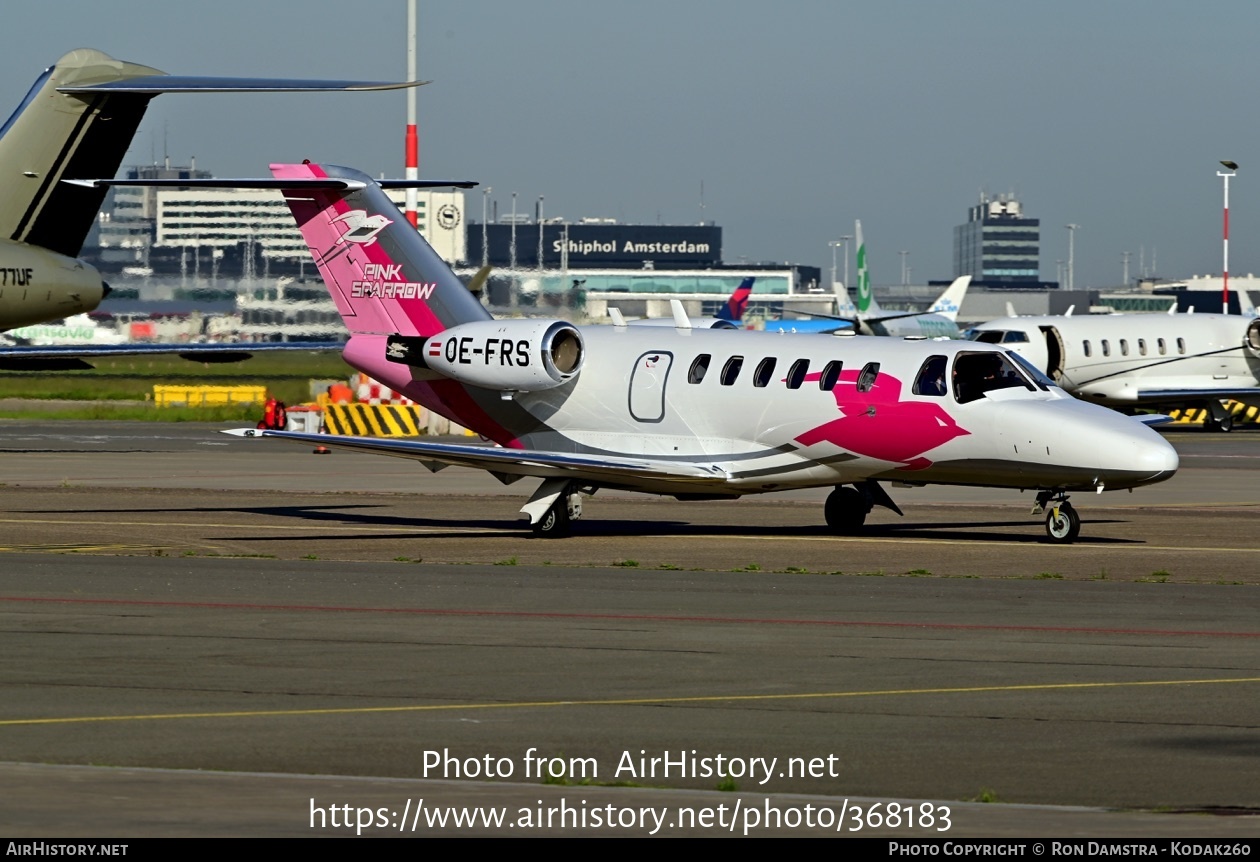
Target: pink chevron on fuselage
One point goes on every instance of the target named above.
(880, 425)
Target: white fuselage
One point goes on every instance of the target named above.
(640, 393)
(1131, 359)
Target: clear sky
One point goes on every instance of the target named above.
(797, 117)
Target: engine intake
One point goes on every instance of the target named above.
(1253, 337)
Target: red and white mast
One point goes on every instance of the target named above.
(1233, 167)
(413, 140)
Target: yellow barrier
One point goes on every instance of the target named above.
(387, 420)
(1247, 414)
(374, 420)
(206, 396)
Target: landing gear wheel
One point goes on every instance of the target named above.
(1223, 423)
(1063, 525)
(845, 510)
(556, 524)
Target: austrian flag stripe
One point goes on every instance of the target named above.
(435, 348)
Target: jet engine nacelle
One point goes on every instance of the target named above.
(520, 355)
(1253, 337)
(37, 285)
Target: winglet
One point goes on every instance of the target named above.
(681, 320)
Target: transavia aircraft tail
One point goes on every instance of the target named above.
(693, 413)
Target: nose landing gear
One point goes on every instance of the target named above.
(1063, 524)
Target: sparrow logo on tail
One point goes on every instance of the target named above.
(363, 228)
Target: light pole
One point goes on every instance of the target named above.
(834, 244)
(540, 233)
(512, 244)
(1125, 255)
(1071, 262)
(905, 275)
(1225, 175)
(485, 250)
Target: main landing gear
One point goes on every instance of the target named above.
(554, 507)
(1063, 525)
(1218, 418)
(847, 507)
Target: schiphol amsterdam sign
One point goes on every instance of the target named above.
(596, 245)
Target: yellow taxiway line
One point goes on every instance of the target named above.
(638, 701)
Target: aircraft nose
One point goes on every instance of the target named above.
(1154, 455)
(1135, 453)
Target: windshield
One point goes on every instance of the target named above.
(1031, 370)
(997, 336)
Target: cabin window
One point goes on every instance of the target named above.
(830, 374)
(1181, 345)
(1124, 347)
(731, 370)
(1142, 346)
(1163, 348)
(796, 374)
(1085, 346)
(931, 379)
(765, 370)
(698, 368)
(1106, 347)
(866, 380)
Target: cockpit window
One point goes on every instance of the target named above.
(1042, 380)
(931, 378)
(978, 373)
(997, 336)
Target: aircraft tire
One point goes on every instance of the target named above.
(845, 511)
(1063, 525)
(556, 523)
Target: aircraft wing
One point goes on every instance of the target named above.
(818, 315)
(1182, 395)
(510, 464)
(70, 357)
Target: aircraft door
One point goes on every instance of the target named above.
(647, 385)
(1054, 353)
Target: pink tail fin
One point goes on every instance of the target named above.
(383, 276)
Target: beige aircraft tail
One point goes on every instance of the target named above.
(60, 135)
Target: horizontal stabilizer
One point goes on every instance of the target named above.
(154, 85)
(330, 183)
